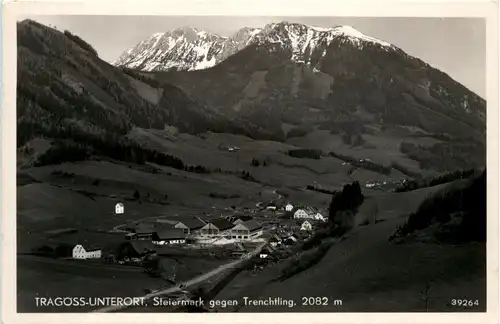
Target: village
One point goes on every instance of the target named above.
(161, 244)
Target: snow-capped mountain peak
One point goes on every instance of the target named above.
(348, 31)
(188, 48)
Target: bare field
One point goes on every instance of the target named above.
(83, 194)
(382, 148)
(42, 277)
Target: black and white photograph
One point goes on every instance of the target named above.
(251, 164)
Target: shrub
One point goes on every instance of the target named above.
(305, 154)
(223, 196)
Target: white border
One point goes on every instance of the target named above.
(357, 8)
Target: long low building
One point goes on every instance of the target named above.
(169, 236)
(217, 228)
(190, 224)
(247, 230)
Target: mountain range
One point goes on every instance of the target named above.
(280, 82)
(188, 49)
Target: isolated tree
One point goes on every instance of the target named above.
(137, 195)
(255, 163)
(348, 199)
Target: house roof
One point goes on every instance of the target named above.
(252, 225)
(309, 210)
(193, 223)
(222, 224)
(166, 221)
(89, 247)
(171, 234)
(243, 218)
(144, 229)
(142, 246)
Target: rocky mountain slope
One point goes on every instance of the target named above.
(65, 91)
(184, 49)
(349, 84)
(188, 49)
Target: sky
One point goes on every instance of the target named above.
(456, 46)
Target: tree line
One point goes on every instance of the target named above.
(414, 184)
(305, 154)
(460, 213)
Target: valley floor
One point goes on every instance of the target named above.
(365, 271)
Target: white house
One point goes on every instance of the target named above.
(303, 214)
(288, 207)
(79, 252)
(320, 217)
(306, 226)
(119, 208)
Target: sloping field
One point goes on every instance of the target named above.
(369, 273)
(382, 148)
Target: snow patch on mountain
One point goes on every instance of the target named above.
(191, 49)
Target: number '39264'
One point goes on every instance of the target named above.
(464, 302)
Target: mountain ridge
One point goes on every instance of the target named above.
(188, 48)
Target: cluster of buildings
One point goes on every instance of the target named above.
(309, 213)
(297, 212)
(195, 230)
